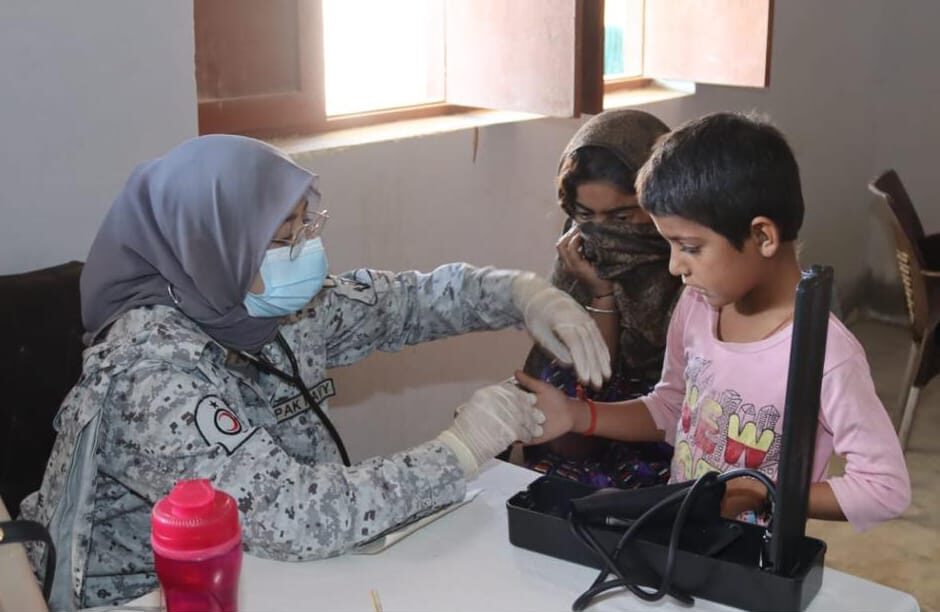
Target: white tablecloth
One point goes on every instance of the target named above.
(464, 561)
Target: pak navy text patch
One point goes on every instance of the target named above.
(295, 405)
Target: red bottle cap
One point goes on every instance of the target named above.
(194, 522)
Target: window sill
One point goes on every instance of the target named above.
(657, 91)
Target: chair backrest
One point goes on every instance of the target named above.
(908, 234)
(40, 360)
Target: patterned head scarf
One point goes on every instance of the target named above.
(190, 229)
(629, 134)
(634, 256)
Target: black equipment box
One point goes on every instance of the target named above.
(730, 575)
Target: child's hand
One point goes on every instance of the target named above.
(555, 405)
(741, 495)
(569, 251)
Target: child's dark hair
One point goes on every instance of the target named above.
(722, 171)
(588, 164)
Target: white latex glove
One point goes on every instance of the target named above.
(493, 418)
(562, 327)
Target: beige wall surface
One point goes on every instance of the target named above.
(89, 90)
(850, 85)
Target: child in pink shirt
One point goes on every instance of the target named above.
(724, 190)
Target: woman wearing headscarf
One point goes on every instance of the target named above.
(211, 321)
(612, 260)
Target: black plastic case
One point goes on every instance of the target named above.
(732, 576)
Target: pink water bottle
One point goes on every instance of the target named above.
(197, 549)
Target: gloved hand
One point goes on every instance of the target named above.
(493, 418)
(562, 327)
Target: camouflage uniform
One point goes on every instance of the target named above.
(158, 401)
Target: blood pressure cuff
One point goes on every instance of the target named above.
(631, 504)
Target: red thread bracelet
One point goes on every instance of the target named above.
(592, 424)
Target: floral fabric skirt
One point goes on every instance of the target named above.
(597, 461)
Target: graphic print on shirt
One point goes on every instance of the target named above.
(719, 430)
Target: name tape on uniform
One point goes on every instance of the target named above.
(293, 406)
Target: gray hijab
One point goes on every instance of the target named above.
(190, 229)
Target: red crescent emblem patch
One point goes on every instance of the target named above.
(227, 422)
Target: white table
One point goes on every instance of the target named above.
(464, 561)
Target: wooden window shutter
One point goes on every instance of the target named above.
(537, 56)
(257, 68)
(725, 42)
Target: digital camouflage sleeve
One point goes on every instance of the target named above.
(159, 401)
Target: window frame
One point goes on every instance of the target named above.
(302, 112)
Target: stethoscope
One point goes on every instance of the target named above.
(294, 379)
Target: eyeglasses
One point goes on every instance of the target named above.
(312, 227)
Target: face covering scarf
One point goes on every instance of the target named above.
(636, 258)
(288, 285)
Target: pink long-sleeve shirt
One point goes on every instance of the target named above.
(721, 404)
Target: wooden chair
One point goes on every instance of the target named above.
(918, 259)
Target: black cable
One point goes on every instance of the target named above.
(677, 527)
(298, 382)
(313, 403)
(295, 380)
(687, 496)
(31, 531)
(600, 585)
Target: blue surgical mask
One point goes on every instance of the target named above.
(288, 285)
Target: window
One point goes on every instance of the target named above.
(382, 55)
(623, 40)
(306, 66)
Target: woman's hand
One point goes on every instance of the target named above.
(562, 327)
(493, 418)
(560, 411)
(570, 252)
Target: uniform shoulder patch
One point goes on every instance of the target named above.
(359, 288)
(218, 424)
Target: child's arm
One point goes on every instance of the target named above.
(875, 486)
(629, 421)
(852, 424)
(823, 503)
(743, 494)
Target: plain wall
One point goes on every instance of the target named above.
(92, 88)
(907, 132)
(89, 90)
